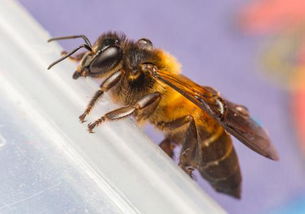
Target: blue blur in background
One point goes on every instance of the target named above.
(204, 37)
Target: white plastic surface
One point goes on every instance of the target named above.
(49, 163)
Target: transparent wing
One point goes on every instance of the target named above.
(233, 117)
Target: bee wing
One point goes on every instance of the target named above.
(234, 118)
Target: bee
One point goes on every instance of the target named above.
(148, 83)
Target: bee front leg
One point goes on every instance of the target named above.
(75, 58)
(105, 86)
(145, 102)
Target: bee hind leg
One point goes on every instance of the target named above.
(189, 148)
(144, 102)
(188, 138)
(168, 146)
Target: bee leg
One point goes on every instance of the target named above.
(189, 148)
(146, 101)
(105, 86)
(75, 58)
(189, 141)
(168, 146)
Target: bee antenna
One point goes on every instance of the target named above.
(87, 41)
(69, 54)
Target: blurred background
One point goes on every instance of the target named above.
(253, 52)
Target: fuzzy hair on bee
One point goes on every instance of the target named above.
(148, 84)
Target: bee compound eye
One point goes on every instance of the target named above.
(145, 43)
(106, 60)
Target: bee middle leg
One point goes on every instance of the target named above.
(145, 102)
(189, 140)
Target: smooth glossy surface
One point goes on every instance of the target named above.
(49, 163)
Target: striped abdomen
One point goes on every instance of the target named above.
(218, 162)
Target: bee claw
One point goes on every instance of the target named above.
(187, 169)
(91, 127)
(82, 118)
(64, 53)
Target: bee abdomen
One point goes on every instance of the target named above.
(218, 164)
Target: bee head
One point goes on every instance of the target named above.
(105, 56)
(101, 58)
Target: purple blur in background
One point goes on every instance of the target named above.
(204, 38)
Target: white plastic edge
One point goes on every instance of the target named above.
(136, 175)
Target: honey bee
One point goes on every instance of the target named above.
(148, 83)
